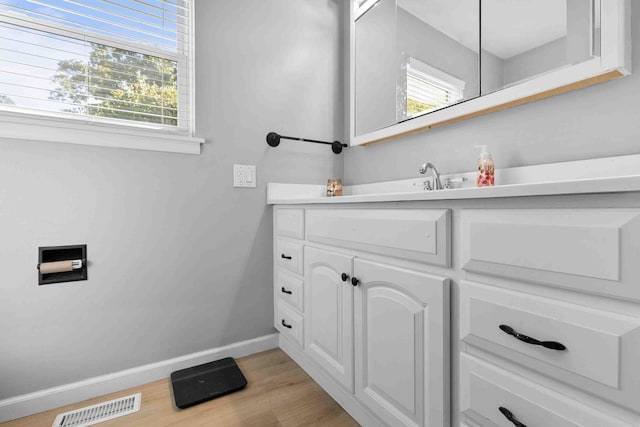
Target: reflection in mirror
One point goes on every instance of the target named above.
(526, 38)
(375, 65)
(426, 89)
(413, 57)
(438, 42)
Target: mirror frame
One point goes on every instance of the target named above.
(614, 62)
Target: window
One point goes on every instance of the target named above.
(122, 63)
(430, 89)
(362, 6)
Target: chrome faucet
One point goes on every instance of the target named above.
(437, 184)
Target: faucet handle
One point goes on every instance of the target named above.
(448, 181)
(426, 185)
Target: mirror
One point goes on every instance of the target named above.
(525, 38)
(413, 57)
(416, 64)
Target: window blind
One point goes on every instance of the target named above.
(426, 93)
(430, 89)
(122, 61)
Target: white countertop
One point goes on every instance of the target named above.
(583, 186)
(563, 179)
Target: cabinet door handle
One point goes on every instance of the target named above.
(285, 324)
(283, 256)
(284, 291)
(344, 277)
(354, 281)
(508, 415)
(552, 345)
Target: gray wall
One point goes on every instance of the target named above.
(572, 49)
(538, 60)
(180, 261)
(492, 72)
(597, 121)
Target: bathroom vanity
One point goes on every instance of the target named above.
(515, 305)
(465, 307)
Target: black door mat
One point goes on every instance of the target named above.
(205, 382)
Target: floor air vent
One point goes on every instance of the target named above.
(98, 413)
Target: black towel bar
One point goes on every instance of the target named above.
(273, 139)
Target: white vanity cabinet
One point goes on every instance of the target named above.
(376, 321)
(545, 309)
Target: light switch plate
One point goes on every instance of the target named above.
(244, 176)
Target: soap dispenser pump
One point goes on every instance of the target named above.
(486, 168)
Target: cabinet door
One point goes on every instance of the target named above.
(401, 344)
(329, 313)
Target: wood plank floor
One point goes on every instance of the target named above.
(279, 393)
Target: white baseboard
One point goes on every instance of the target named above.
(43, 400)
(344, 398)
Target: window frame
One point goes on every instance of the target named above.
(52, 126)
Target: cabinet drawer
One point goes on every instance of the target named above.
(289, 289)
(485, 388)
(601, 347)
(416, 234)
(591, 250)
(289, 222)
(290, 323)
(289, 255)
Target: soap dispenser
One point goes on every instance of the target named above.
(486, 169)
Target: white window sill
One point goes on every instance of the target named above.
(69, 131)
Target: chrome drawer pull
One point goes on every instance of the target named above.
(284, 291)
(552, 345)
(508, 415)
(283, 256)
(285, 324)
